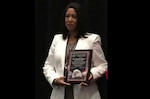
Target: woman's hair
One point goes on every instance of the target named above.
(80, 28)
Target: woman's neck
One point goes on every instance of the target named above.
(72, 34)
(72, 37)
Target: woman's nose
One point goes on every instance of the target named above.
(70, 18)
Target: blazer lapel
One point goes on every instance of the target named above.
(63, 49)
(80, 44)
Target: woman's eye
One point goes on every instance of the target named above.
(74, 16)
(67, 16)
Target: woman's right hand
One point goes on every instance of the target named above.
(60, 81)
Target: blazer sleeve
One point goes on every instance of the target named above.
(100, 64)
(48, 68)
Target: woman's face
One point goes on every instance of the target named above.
(71, 19)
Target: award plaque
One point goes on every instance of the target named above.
(79, 65)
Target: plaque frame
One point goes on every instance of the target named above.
(79, 65)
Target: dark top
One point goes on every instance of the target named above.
(69, 89)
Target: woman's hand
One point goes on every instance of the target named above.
(60, 81)
(89, 79)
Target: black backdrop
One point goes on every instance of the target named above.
(47, 21)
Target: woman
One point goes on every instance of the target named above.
(74, 37)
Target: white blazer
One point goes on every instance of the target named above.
(54, 66)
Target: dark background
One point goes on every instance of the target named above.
(47, 22)
(27, 30)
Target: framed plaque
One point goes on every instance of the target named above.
(79, 65)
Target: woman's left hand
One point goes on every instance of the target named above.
(89, 79)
